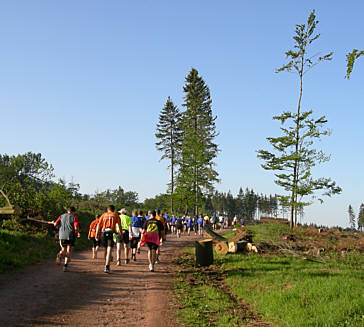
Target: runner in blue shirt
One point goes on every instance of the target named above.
(188, 223)
(200, 222)
(173, 224)
(136, 229)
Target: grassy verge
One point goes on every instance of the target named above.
(199, 302)
(292, 292)
(18, 249)
(283, 290)
(22, 245)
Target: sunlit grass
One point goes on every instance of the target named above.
(285, 290)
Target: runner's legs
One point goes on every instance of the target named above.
(108, 255)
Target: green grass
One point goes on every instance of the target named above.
(287, 291)
(18, 249)
(203, 305)
(268, 232)
(293, 292)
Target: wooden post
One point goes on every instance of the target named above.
(203, 252)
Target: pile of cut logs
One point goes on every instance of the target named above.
(241, 241)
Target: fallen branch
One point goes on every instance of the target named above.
(294, 254)
(39, 220)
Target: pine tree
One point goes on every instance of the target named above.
(294, 156)
(197, 174)
(361, 217)
(351, 217)
(169, 137)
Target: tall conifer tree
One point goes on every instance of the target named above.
(169, 137)
(197, 174)
(351, 217)
(361, 217)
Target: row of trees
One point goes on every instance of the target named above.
(246, 203)
(186, 140)
(27, 180)
(359, 222)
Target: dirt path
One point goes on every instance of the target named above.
(43, 295)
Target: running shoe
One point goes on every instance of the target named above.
(134, 257)
(157, 261)
(65, 269)
(138, 251)
(58, 259)
(118, 263)
(127, 261)
(151, 268)
(107, 270)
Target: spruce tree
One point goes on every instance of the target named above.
(351, 217)
(169, 137)
(361, 217)
(196, 173)
(293, 156)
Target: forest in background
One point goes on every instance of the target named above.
(28, 181)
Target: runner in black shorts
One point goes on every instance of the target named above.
(179, 226)
(66, 243)
(152, 246)
(107, 238)
(105, 230)
(136, 229)
(68, 231)
(125, 237)
(92, 236)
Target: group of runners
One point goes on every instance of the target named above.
(131, 233)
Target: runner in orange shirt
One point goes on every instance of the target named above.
(104, 232)
(92, 235)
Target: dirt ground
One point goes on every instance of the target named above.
(43, 295)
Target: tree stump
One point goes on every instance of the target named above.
(203, 253)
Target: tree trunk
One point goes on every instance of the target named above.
(296, 162)
(172, 180)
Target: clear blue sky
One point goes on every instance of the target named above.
(83, 83)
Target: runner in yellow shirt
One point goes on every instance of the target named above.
(123, 237)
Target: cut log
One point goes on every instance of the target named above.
(222, 247)
(216, 237)
(237, 246)
(7, 210)
(203, 252)
(241, 235)
(241, 247)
